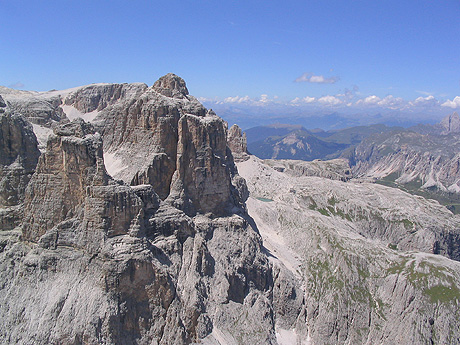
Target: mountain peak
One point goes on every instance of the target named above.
(451, 123)
(171, 85)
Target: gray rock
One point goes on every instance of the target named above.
(18, 158)
(451, 123)
(355, 288)
(237, 142)
(171, 85)
(103, 262)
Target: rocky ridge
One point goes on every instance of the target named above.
(362, 262)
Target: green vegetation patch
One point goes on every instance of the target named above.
(324, 212)
(443, 294)
(421, 277)
(332, 201)
(392, 246)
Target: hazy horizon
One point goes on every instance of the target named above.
(360, 59)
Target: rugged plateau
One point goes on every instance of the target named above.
(125, 220)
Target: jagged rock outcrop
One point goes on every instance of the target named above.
(97, 97)
(141, 133)
(334, 169)
(18, 157)
(2, 105)
(171, 85)
(71, 191)
(38, 108)
(204, 166)
(237, 142)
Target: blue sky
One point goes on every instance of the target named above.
(345, 55)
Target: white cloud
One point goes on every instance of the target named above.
(318, 79)
(237, 99)
(264, 98)
(329, 100)
(304, 100)
(427, 101)
(369, 100)
(308, 99)
(391, 102)
(455, 103)
(346, 100)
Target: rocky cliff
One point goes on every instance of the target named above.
(99, 261)
(18, 157)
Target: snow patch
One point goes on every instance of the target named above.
(42, 133)
(73, 113)
(271, 239)
(113, 165)
(286, 336)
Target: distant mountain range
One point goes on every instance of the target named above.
(280, 141)
(423, 159)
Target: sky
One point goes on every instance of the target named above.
(265, 57)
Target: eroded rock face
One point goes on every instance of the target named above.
(2, 105)
(133, 268)
(427, 157)
(171, 85)
(203, 174)
(141, 133)
(237, 142)
(363, 256)
(99, 96)
(35, 107)
(18, 157)
(71, 183)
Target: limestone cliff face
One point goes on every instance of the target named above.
(100, 96)
(71, 182)
(164, 137)
(18, 157)
(141, 132)
(451, 123)
(203, 165)
(100, 261)
(237, 143)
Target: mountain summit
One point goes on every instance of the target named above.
(171, 85)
